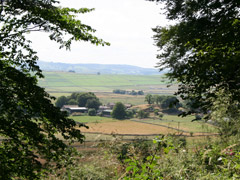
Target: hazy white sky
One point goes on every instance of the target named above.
(126, 24)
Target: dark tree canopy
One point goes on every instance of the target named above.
(202, 49)
(28, 120)
(149, 99)
(93, 103)
(61, 101)
(119, 111)
(84, 98)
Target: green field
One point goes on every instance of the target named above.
(64, 82)
(183, 123)
(92, 119)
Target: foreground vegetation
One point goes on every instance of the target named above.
(165, 157)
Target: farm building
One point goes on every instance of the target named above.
(74, 109)
(105, 113)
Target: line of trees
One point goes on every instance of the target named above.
(133, 92)
(169, 103)
(162, 100)
(83, 99)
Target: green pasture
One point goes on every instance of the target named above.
(183, 123)
(106, 98)
(65, 82)
(92, 119)
(112, 98)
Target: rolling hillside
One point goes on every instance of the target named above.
(97, 68)
(62, 82)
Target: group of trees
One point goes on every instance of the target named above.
(202, 50)
(121, 112)
(29, 121)
(133, 92)
(169, 104)
(83, 99)
(163, 101)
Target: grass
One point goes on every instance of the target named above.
(183, 123)
(92, 119)
(108, 125)
(63, 82)
(106, 98)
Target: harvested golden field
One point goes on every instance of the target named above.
(126, 127)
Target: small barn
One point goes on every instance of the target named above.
(74, 109)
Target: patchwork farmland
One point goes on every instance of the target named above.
(64, 83)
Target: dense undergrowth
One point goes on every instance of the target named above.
(166, 157)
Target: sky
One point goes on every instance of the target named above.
(126, 24)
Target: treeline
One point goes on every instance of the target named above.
(133, 92)
(169, 104)
(83, 99)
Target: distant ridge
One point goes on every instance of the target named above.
(97, 68)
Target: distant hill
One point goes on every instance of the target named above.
(97, 68)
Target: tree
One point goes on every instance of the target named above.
(140, 92)
(61, 101)
(72, 102)
(92, 112)
(170, 102)
(82, 98)
(142, 114)
(28, 119)
(93, 103)
(157, 98)
(149, 99)
(119, 111)
(202, 49)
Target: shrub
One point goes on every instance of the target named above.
(142, 114)
(92, 112)
(156, 111)
(161, 115)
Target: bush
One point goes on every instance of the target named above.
(130, 114)
(156, 111)
(142, 114)
(161, 115)
(92, 112)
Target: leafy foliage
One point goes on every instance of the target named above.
(133, 92)
(93, 103)
(28, 120)
(202, 49)
(142, 114)
(119, 111)
(168, 158)
(226, 114)
(61, 101)
(84, 99)
(149, 99)
(92, 112)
